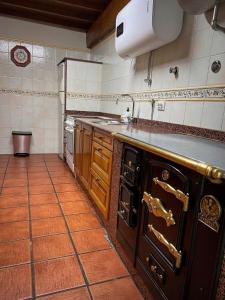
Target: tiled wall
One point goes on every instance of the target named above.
(28, 96)
(83, 78)
(193, 52)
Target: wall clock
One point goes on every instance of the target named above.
(20, 56)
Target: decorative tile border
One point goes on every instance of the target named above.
(28, 93)
(199, 94)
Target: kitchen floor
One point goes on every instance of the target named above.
(51, 242)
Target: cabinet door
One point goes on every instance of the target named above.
(166, 225)
(99, 192)
(209, 242)
(101, 161)
(78, 148)
(86, 154)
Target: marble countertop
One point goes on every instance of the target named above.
(200, 150)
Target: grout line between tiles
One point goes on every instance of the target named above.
(71, 239)
(31, 243)
(1, 187)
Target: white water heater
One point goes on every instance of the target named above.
(145, 25)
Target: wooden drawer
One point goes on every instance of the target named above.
(101, 161)
(100, 193)
(103, 139)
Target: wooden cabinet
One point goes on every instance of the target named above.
(86, 154)
(99, 192)
(101, 161)
(101, 165)
(83, 145)
(93, 163)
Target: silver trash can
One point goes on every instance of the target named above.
(21, 142)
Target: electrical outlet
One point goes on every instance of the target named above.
(161, 105)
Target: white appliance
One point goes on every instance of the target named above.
(61, 108)
(145, 25)
(70, 123)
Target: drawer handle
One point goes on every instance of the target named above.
(172, 249)
(155, 206)
(177, 193)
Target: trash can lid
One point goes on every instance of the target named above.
(21, 133)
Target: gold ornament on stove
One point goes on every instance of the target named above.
(210, 212)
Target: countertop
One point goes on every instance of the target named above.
(202, 153)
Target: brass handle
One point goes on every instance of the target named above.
(177, 193)
(158, 210)
(172, 249)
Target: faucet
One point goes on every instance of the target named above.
(132, 99)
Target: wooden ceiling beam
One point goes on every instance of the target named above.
(95, 5)
(105, 24)
(46, 18)
(59, 9)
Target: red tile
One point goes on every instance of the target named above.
(70, 208)
(12, 182)
(15, 191)
(43, 199)
(16, 170)
(72, 196)
(14, 214)
(82, 222)
(41, 189)
(45, 211)
(52, 246)
(66, 187)
(41, 175)
(37, 169)
(57, 168)
(56, 275)
(36, 164)
(39, 181)
(14, 231)
(77, 294)
(60, 173)
(102, 265)
(2, 170)
(13, 201)
(120, 289)
(17, 176)
(15, 283)
(90, 240)
(12, 253)
(63, 179)
(48, 226)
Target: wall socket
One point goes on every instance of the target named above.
(161, 105)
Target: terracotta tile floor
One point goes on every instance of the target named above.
(52, 244)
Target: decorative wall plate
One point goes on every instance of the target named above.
(20, 56)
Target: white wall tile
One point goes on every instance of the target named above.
(178, 112)
(199, 71)
(193, 113)
(4, 46)
(212, 115)
(217, 78)
(201, 43)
